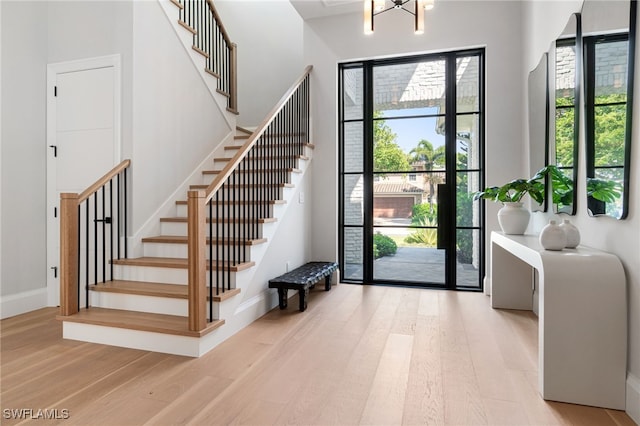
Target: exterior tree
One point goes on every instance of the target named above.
(431, 158)
(387, 154)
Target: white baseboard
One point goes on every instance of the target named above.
(633, 397)
(16, 304)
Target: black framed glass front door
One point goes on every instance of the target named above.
(410, 155)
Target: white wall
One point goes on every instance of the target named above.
(269, 38)
(450, 25)
(176, 120)
(544, 22)
(24, 56)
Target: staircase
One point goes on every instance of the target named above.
(183, 294)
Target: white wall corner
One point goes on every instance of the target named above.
(633, 397)
(21, 303)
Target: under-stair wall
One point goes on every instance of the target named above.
(178, 121)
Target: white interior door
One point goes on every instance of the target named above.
(83, 138)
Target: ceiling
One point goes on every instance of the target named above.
(310, 9)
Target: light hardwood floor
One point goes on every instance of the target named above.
(358, 355)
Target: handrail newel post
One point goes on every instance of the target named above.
(196, 206)
(69, 219)
(233, 83)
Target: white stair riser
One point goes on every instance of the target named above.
(273, 193)
(158, 275)
(180, 251)
(180, 229)
(181, 211)
(152, 274)
(140, 303)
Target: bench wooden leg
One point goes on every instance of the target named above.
(304, 292)
(282, 297)
(327, 283)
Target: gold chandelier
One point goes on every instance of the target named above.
(373, 8)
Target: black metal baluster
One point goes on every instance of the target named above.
(95, 238)
(111, 229)
(210, 260)
(104, 242)
(119, 229)
(86, 247)
(126, 244)
(79, 252)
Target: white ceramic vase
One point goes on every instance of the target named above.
(513, 218)
(552, 236)
(572, 233)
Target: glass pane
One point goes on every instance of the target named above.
(406, 200)
(611, 72)
(605, 191)
(398, 259)
(353, 200)
(353, 258)
(408, 144)
(352, 82)
(468, 81)
(468, 142)
(610, 124)
(353, 150)
(562, 190)
(468, 258)
(565, 75)
(415, 88)
(565, 136)
(467, 211)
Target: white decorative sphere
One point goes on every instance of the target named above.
(552, 237)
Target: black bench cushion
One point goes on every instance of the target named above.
(308, 273)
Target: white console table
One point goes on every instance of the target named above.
(582, 319)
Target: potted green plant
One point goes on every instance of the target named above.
(513, 217)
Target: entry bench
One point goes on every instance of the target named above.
(302, 279)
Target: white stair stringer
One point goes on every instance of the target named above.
(186, 37)
(254, 300)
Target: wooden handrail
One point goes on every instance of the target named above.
(242, 152)
(223, 30)
(103, 180)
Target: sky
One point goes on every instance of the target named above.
(410, 131)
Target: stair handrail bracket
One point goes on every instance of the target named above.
(84, 229)
(243, 194)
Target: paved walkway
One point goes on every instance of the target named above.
(416, 264)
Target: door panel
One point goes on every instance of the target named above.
(411, 145)
(83, 126)
(85, 100)
(83, 157)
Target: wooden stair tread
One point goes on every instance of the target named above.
(243, 130)
(142, 321)
(179, 239)
(143, 288)
(290, 170)
(254, 185)
(177, 263)
(182, 219)
(184, 202)
(233, 147)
